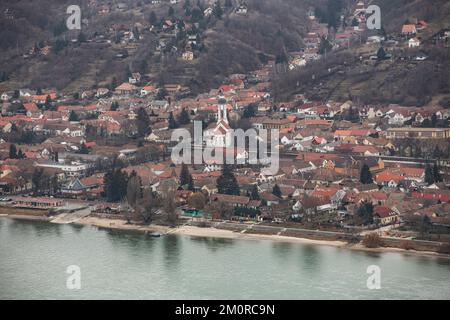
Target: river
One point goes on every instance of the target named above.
(35, 256)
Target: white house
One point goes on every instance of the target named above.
(5, 96)
(242, 9)
(413, 43)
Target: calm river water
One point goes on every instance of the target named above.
(34, 257)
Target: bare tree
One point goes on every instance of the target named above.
(133, 191)
(170, 207)
(148, 206)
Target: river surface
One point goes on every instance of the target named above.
(35, 257)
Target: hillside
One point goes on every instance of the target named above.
(349, 73)
(230, 44)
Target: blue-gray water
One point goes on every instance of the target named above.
(34, 257)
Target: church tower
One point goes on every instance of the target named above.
(222, 109)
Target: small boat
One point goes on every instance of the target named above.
(154, 234)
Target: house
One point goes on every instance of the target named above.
(126, 89)
(270, 199)
(418, 133)
(236, 201)
(135, 78)
(413, 43)
(188, 56)
(421, 25)
(242, 9)
(26, 93)
(70, 170)
(146, 90)
(443, 196)
(159, 104)
(208, 11)
(5, 96)
(13, 184)
(384, 215)
(102, 92)
(388, 179)
(74, 188)
(37, 203)
(30, 107)
(409, 30)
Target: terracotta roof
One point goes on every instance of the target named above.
(383, 212)
(409, 28)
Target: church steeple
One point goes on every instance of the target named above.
(222, 109)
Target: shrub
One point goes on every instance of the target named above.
(407, 245)
(372, 240)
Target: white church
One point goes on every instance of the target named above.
(221, 135)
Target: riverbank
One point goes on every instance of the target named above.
(212, 232)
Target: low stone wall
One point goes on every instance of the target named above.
(108, 216)
(418, 245)
(318, 235)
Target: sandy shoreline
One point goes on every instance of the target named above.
(185, 230)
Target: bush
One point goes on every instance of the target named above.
(372, 240)
(407, 245)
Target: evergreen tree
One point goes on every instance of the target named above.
(365, 212)
(436, 173)
(84, 149)
(254, 195)
(250, 111)
(82, 38)
(12, 151)
(162, 93)
(55, 184)
(217, 10)
(187, 8)
(114, 106)
(172, 123)
(429, 175)
(37, 179)
(276, 191)
(153, 19)
(325, 46)
(184, 118)
(437, 153)
(186, 178)
(116, 183)
(73, 116)
(227, 183)
(228, 4)
(434, 120)
(171, 12)
(20, 155)
(113, 84)
(197, 15)
(366, 175)
(48, 102)
(143, 123)
(381, 54)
